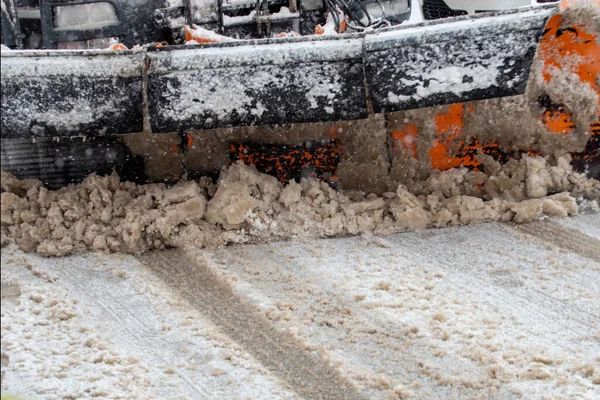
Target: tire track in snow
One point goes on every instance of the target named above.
(283, 354)
(563, 237)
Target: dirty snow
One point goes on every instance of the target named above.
(482, 311)
(105, 214)
(112, 330)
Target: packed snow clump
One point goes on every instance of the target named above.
(105, 214)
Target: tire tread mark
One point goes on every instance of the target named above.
(563, 237)
(307, 374)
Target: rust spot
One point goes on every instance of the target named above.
(335, 129)
(319, 29)
(343, 26)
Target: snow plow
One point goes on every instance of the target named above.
(388, 92)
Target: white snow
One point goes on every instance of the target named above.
(239, 20)
(89, 63)
(450, 79)
(85, 16)
(226, 97)
(431, 31)
(274, 53)
(203, 35)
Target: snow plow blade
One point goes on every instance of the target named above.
(463, 60)
(64, 94)
(397, 97)
(270, 81)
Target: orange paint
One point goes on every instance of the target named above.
(319, 29)
(571, 49)
(343, 26)
(407, 137)
(287, 35)
(444, 153)
(450, 122)
(568, 49)
(190, 35)
(118, 46)
(202, 40)
(564, 4)
(558, 122)
(453, 149)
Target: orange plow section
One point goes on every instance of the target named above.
(457, 135)
(566, 52)
(570, 49)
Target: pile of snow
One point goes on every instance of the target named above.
(105, 214)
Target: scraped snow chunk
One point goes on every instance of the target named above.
(231, 204)
(403, 392)
(105, 214)
(538, 177)
(181, 192)
(527, 210)
(291, 194)
(191, 210)
(363, 206)
(560, 205)
(409, 211)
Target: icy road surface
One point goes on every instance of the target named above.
(488, 311)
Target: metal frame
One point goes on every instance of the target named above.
(53, 36)
(135, 23)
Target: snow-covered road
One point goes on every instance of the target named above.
(488, 311)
